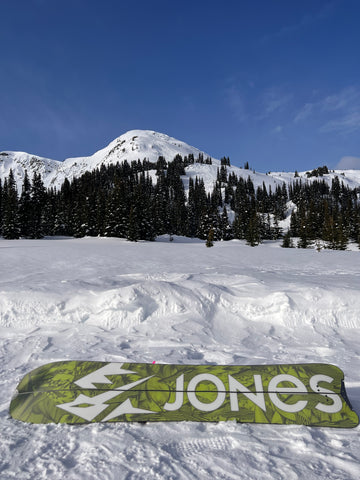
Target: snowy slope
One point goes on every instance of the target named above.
(133, 145)
(350, 178)
(140, 145)
(21, 161)
(176, 302)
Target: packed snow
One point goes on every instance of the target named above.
(176, 302)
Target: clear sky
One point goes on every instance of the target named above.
(275, 83)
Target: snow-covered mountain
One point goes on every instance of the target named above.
(140, 145)
(133, 145)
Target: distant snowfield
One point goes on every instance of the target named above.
(176, 302)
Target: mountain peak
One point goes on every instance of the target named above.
(130, 146)
(140, 144)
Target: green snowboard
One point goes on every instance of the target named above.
(78, 392)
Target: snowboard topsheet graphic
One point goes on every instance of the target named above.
(77, 392)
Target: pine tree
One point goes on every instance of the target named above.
(191, 213)
(287, 241)
(80, 217)
(10, 216)
(276, 230)
(304, 241)
(177, 206)
(161, 206)
(1, 212)
(49, 212)
(25, 208)
(210, 238)
(38, 200)
(100, 208)
(116, 212)
(133, 229)
(206, 223)
(225, 227)
(63, 210)
(252, 234)
(340, 239)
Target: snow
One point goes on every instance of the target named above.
(146, 144)
(350, 178)
(131, 146)
(176, 302)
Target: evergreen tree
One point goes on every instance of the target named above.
(38, 200)
(252, 234)
(225, 161)
(49, 212)
(222, 174)
(80, 217)
(161, 205)
(63, 210)
(100, 208)
(327, 223)
(161, 165)
(210, 238)
(287, 241)
(276, 230)
(304, 241)
(25, 208)
(206, 223)
(117, 216)
(340, 238)
(193, 213)
(225, 227)
(1, 212)
(133, 228)
(10, 216)
(177, 206)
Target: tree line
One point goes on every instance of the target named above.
(141, 200)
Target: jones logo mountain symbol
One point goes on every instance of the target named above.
(90, 407)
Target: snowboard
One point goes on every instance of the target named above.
(78, 392)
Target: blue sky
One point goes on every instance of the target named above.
(272, 83)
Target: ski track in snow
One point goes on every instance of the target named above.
(176, 302)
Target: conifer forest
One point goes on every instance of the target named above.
(141, 200)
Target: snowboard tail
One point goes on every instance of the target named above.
(77, 392)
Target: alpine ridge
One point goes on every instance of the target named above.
(150, 145)
(133, 145)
